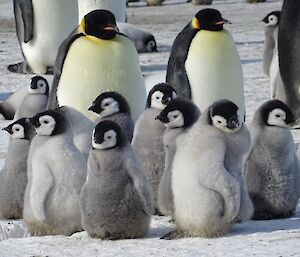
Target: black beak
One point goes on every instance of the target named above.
(7, 129)
(166, 100)
(162, 119)
(233, 124)
(33, 85)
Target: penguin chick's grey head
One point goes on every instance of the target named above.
(150, 44)
(49, 123)
(38, 85)
(20, 129)
(272, 19)
(179, 113)
(160, 95)
(224, 115)
(109, 103)
(100, 24)
(107, 135)
(276, 113)
(209, 19)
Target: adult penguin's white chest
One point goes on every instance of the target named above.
(214, 69)
(53, 21)
(93, 66)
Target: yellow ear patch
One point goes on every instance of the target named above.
(195, 23)
(82, 25)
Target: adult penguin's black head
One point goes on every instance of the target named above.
(100, 24)
(209, 19)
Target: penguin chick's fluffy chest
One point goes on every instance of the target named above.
(213, 62)
(101, 65)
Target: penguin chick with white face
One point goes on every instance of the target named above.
(116, 200)
(82, 129)
(36, 99)
(13, 176)
(206, 173)
(272, 168)
(113, 106)
(270, 56)
(148, 135)
(178, 116)
(56, 174)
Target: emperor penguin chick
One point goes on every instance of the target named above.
(207, 194)
(56, 174)
(13, 176)
(113, 106)
(36, 100)
(148, 135)
(116, 200)
(178, 117)
(272, 168)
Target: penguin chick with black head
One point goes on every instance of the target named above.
(204, 64)
(113, 106)
(106, 60)
(270, 56)
(116, 200)
(13, 176)
(36, 100)
(272, 168)
(56, 174)
(148, 135)
(178, 116)
(207, 174)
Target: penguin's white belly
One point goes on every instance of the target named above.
(53, 21)
(214, 69)
(93, 66)
(117, 7)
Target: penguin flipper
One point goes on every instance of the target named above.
(40, 188)
(59, 63)
(24, 17)
(142, 186)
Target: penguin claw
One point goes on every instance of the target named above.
(174, 234)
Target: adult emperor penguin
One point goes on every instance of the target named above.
(56, 173)
(124, 209)
(105, 61)
(117, 7)
(41, 27)
(208, 194)
(36, 99)
(204, 64)
(289, 52)
(144, 42)
(178, 116)
(272, 168)
(148, 135)
(270, 56)
(13, 176)
(113, 106)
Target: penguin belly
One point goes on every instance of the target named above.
(53, 21)
(214, 69)
(117, 7)
(93, 66)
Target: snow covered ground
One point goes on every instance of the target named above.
(252, 238)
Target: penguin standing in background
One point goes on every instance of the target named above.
(148, 135)
(113, 106)
(117, 7)
(116, 200)
(105, 61)
(56, 173)
(41, 27)
(270, 56)
(207, 165)
(178, 116)
(204, 64)
(82, 129)
(289, 53)
(13, 176)
(144, 42)
(36, 100)
(272, 168)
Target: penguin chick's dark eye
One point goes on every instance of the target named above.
(175, 116)
(17, 129)
(219, 121)
(45, 122)
(157, 98)
(106, 104)
(277, 115)
(109, 137)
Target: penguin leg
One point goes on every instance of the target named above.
(20, 67)
(174, 234)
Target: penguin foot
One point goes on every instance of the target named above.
(19, 67)
(174, 234)
(269, 215)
